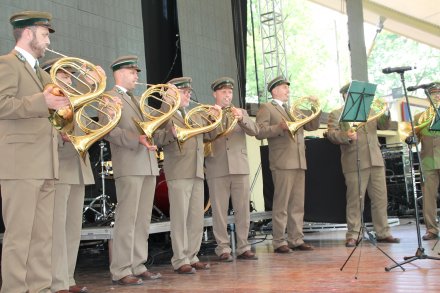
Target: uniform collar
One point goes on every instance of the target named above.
(121, 89)
(26, 55)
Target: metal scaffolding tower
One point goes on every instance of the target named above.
(272, 40)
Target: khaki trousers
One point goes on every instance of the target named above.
(135, 196)
(236, 188)
(186, 219)
(27, 207)
(288, 207)
(68, 211)
(373, 181)
(430, 192)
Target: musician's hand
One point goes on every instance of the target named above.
(283, 125)
(53, 100)
(115, 100)
(313, 98)
(238, 114)
(65, 137)
(352, 135)
(170, 92)
(215, 110)
(143, 141)
(91, 75)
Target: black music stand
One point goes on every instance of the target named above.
(357, 107)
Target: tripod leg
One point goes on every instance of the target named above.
(346, 261)
(161, 214)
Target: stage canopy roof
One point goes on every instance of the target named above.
(418, 20)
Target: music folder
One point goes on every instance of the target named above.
(358, 102)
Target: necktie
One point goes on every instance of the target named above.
(288, 112)
(182, 112)
(37, 71)
(133, 99)
(130, 94)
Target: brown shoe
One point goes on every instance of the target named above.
(247, 255)
(129, 280)
(389, 239)
(226, 257)
(283, 249)
(186, 269)
(78, 289)
(350, 242)
(147, 275)
(430, 236)
(303, 247)
(62, 291)
(201, 265)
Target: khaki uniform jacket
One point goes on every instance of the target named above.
(73, 170)
(368, 142)
(185, 164)
(229, 155)
(28, 142)
(129, 157)
(284, 153)
(430, 151)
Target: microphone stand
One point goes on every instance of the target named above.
(420, 252)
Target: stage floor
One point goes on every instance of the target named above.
(316, 271)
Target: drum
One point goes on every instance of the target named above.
(161, 204)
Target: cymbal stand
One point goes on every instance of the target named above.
(363, 229)
(107, 208)
(412, 140)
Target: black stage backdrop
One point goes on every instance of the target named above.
(325, 185)
(161, 38)
(239, 15)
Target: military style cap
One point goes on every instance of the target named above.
(435, 88)
(222, 82)
(30, 18)
(47, 65)
(181, 82)
(344, 89)
(276, 82)
(130, 61)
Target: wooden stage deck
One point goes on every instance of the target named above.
(316, 271)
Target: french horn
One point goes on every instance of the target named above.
(109, 114)
(85, 88)
(227, 125)
(200, 119)
(425, 120)
(85, 95)
(168, 96)
(303, 110)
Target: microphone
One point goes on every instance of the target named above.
(397, 69)
(420, 86)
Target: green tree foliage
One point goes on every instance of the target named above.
(392, 50)
(318, 59)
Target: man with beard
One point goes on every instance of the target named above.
(28, 156)
(74, 174)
